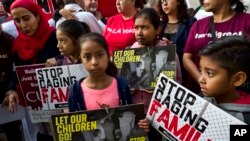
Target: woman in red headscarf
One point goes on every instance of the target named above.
(36, 42)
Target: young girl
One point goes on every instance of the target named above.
(67, 34)
(101, 88)
(224, 66)
(147, 28)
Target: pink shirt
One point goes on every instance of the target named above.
(107, 96)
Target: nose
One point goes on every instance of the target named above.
(23, 24)
(202, 79)
(94, 61)
(139, 31)
(164, 1)
(117, 2)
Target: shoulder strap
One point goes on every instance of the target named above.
(212, 30)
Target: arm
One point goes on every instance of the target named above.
(67, 14)
(11, 100)
(190, 66)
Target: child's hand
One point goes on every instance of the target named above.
(168, 42)
(50, 62)
(144, 123)
(151, 91)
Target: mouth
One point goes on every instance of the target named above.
(205, 4)
(27, 32)
(96, 70)
(203, 89)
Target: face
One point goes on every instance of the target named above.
(26, 21)
(65, 44)
(94, 58)
(169, 6)
(214, 80)
(213, 5)
(123, 5)
(91, 5)
(145, 33)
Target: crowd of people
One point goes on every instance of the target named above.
(212, 51)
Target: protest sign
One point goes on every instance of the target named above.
(29, 95)
(113, 124)
(54, 84)
(142, 66)
(29, 90)
(179, 114)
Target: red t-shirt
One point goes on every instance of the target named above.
(119, 33)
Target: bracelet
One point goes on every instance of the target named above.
(10, 91)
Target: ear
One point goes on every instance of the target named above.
(239, 78)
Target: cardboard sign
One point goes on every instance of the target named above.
(29, 91)
(179, 114)
(111, 124)
(142, 66)
(54, 84)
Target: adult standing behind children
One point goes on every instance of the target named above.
(224, 66)
(176, 26)
(228, 19)
(35, 43)
(119, 31)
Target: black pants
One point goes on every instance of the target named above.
(13, 131)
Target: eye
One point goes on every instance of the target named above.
(86, 57)
(26, 18)
(17, 20)
(100, 55)
(210, 73)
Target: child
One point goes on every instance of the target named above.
(224, 66)
(67, 34)
(101, 88)
(147, 28)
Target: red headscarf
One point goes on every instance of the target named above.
(27, 46)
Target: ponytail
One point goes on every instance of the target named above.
(239, 6)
